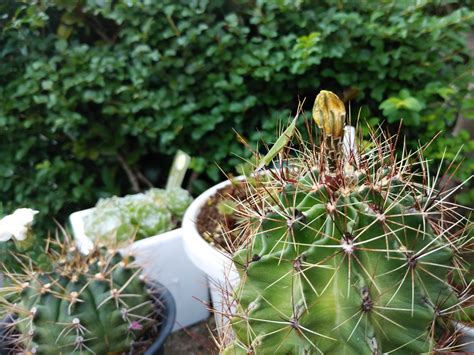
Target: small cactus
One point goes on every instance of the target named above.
(94, 304)
(175, 199)
(346, 256)
(118, 220)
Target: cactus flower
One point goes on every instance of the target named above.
(16, 224)
(329, 113)
(135, 326)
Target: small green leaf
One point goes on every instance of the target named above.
(281, 142)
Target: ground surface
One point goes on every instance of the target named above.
(195, 340)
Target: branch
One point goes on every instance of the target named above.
(192, 178)
(131, 177)
(143, 179)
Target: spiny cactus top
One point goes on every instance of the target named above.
(347, 258)
(96, 304)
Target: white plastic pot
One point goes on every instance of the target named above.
(163, 259)
(467, 338)
(217, 265)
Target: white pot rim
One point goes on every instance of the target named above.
(464, 328)
(85, 244)
(215, 263)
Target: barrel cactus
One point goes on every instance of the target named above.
(96, 304)
(348, 252)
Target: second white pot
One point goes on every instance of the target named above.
(467, 337)
(217, 265)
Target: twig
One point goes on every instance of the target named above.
(131, 177)
(143, 179)
(98, 28)
(192, 178)
(173, 26)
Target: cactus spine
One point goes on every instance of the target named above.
(96, 304)
(347, 257)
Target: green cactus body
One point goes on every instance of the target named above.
(96, 304)
(346, 262)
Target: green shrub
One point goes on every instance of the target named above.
(92, 94)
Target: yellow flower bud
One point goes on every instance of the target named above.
(329, 113)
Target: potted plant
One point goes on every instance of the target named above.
(345, 251)
(211, 222)
(99, 303)
(145, 225)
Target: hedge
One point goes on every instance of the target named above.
(96, 95)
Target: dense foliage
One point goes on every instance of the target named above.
(94, 96)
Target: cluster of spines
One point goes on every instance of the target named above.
(68, 285)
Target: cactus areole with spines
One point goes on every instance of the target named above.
(97, 304)
(346, 258)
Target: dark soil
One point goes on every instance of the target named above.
(216, 227)
(194, 340)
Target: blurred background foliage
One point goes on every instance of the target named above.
(97, 95)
